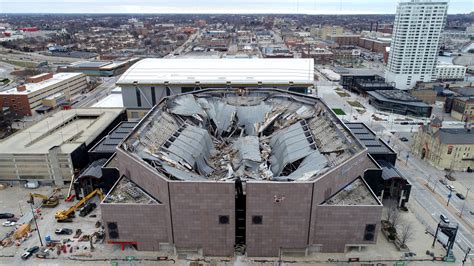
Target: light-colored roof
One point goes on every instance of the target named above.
(220, 71)
(67, 129)
(112, 100)
(33, 87)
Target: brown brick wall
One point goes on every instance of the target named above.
(18, 104)
(338, 226)
(196, 207)
(189, 215)
(285, 223)
(143, 223)
(148, 180)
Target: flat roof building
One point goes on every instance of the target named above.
(263, 168)
(150, 80)
(99, 68)
(54, 148)
(399, 102)
(26, 98)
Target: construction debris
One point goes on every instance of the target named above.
(260, 136)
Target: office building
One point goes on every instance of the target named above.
(24, 99)
(53, 149)
(415, 42)
(268, 170)
(150, 80)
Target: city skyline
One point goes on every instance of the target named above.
(239, 7)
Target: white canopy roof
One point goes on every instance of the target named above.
(244, 71)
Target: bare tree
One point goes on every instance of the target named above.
(405, 232)
(393, 213)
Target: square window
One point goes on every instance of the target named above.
(257, 219)
(223, 219)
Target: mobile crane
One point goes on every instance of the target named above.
(48, 202)
(64, 216)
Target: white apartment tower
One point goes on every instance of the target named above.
(415, 42)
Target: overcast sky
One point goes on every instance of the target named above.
(222, 6)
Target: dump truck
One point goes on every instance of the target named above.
(64, 216)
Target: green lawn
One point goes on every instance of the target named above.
(338, 111)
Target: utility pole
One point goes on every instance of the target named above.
(465, 256)
(36, 224)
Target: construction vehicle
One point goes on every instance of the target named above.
(64, 216)
(48, 202)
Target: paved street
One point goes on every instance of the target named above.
(418, 172)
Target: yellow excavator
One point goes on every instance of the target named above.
(64, 216)
(48, 202)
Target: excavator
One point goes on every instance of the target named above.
(48, 202)
(64, 216)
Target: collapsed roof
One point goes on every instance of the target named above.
(224, 134)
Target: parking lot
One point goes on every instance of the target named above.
(14, 200)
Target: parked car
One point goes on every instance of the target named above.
(8, 223)
(404, 139)
(29, 252)
(63, 231)
(443, 181)
(451, 188)
(84, 211)
(461, 196)
(6, 215)
(444, 218)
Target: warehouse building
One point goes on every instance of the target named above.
(24, 99)
(55, 148)
(150, 80)
(259, 171)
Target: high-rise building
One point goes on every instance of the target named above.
(415, 42)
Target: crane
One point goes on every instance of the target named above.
(67, 215)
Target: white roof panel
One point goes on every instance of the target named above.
(220, 71)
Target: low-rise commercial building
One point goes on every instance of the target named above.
(463, 109)
(363, 81)
(450, 72)
(53, 149)
(376, 45)
(99, 68)
(445, 148)
(26, 98)
(399, 102)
